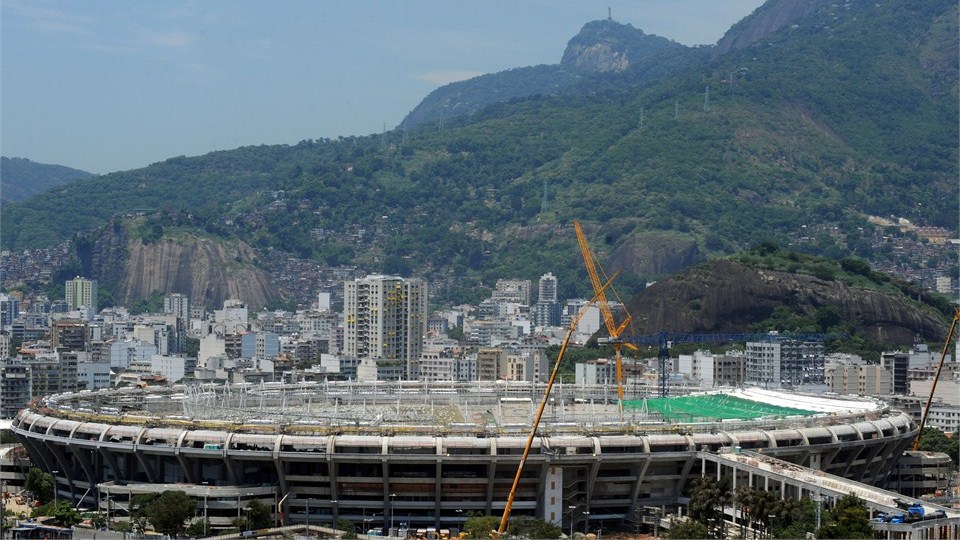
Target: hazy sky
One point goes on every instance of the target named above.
(106, 85)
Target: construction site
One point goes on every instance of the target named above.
(413, 455)
(382, 455)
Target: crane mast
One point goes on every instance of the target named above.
(536, 419)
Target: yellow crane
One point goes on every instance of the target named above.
(936, 377)
(536, 419)
(614, 330)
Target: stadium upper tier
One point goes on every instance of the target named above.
(353, 450)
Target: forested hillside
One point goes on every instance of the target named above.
(846, 112)
(21, 178)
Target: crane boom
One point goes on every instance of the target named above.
(936, 377)
(614, 331)
(536, 420)
(588, 259)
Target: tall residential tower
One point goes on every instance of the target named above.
(385, 319)
(80, 293)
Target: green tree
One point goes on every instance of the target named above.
(9, 518)
(686, 530)
(198, 529)
(849, 518)
(138, 507)
(827, 317)
(40, 484)
(794, 518)
(934, 440)
(707, 499)
(98, 520)
(259, 515)
(480, 526)
(528, 527)
(66, 515)
(192, 347)
(256, 515)
(169, 512)
(456, 333)
(348, 528)
(757, 505)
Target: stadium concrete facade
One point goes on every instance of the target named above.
(429, 455)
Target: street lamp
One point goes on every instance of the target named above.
(818, 500)
(53, 474)
(308, 517)
(392, 497)
(1, 506)
(333, 516)
(586, 521)
(205, 494)
(572, 508)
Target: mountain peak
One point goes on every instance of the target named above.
(609, 46)
(765, 20)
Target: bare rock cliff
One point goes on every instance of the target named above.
(208, 270)
(608, 46)
(655, 253)
(726, 297)
(767, 19)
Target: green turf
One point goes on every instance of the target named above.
(711, 408)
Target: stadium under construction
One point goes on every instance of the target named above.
(429, 455)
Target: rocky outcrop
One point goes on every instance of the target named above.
(727, 297)
(208, 270)
(655, 253)
(601, 47)
(608, 46)
(767, 19)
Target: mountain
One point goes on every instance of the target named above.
(21, 178)
(602, 49)
(768, 19)
(801, 136)
(751, 294)
(137, 262)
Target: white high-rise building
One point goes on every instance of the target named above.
(385, 319)
(81, 292)
(547, 310)
(547, 291)
(178, 305)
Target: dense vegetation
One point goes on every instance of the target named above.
(21, 178)
(769, 513)
(935, 440)
(852, 111)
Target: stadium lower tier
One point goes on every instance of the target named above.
(431, 481)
